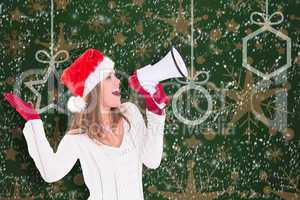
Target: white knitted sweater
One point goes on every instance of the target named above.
(110, 173)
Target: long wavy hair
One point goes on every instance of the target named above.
(89, 121)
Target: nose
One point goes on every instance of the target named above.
(118, 81)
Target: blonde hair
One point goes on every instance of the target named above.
(90, 118)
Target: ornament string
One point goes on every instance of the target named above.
(266, 19)
(192, 77)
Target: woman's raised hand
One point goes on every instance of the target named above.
(156, 102)
(26, 110)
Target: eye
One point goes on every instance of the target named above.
(108, 77)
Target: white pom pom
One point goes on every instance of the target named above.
(76, 104)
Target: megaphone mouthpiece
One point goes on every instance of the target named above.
(170, 66)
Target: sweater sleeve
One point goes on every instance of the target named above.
(52, 166)
(150, 138)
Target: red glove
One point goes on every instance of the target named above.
(155, 103)
(24, 109)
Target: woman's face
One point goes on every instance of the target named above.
(110, 91)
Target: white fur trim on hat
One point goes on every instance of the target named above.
(76, 104)
(100, 73)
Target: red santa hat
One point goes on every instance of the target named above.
(83, 75)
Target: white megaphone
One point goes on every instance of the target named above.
(171, 66)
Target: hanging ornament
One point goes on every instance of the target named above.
(267, 22)
(192, 83)
(53, 60)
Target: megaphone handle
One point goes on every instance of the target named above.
(161, 106)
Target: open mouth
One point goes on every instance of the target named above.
(117, 93)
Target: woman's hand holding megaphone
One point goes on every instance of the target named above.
(24, 109)
(155, 102)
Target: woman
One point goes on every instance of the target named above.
(109, 138)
